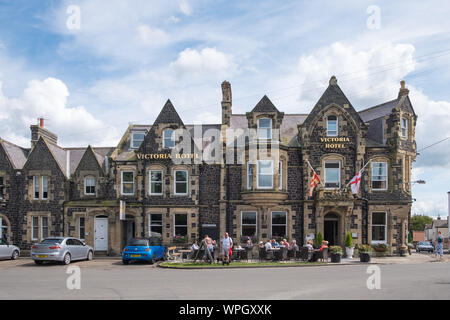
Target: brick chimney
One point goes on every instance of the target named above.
(226, 103)
(403, 90)
(38, 130)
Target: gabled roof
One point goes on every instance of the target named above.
(90, 152)
(17, 155)
(168, 114)
(378, 111)
(265, 105)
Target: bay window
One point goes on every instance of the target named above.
(379, 176)
(265, 174)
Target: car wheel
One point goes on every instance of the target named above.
(15, 255)
(90, 256)
(67, 259)
(125, 261)
(38, 262)
(153, 259)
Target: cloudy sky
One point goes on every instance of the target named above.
(91, 67)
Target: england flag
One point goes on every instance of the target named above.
(355, 183)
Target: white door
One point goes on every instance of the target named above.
(101, 234)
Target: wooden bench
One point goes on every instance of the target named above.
(172, 254)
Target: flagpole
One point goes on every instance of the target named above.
(309, 164)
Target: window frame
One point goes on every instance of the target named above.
(180, 225)
(34, 227)
(337, 126)
(36, 178)
(265, 129)
(285, 225)
(372, 175)
(175, 182)
(44, 187)
(280, 175)
(80, 227)
(172, 138)
(250, 175)
(86, 186)
(257, 174)
(255, 225)
(122, 183)
(325, 174)
(404, 120)
(150, 182)
(150, 224)
(379, 225)
(133, 140)
(44, 226)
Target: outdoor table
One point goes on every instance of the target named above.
(238, 253)
(184, 252)
(277, 253)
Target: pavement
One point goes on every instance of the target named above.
(413, 277)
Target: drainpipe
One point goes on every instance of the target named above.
(365, 218)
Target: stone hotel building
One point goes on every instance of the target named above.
(248, 175)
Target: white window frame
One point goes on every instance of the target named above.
(46, 187)
(33, 226)
(150, 224)
(42, 227)
(132, 139)
(265, 129)
(280, 175)
(250, 176)
(122, 182)
(150, 183)
(257, 174)
(172, 138)
(372, 175)
(36, 178)
(181, 225)
(85, 186)
(256, 222)
(379, 225)
(79, 227)
(325, 174)
(404, 126)
(285, 225)
(175, 183)
(337, 126)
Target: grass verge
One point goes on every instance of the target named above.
(200, 265)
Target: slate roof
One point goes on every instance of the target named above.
(378, 111)
(17, 155)
(265, 105)
(168, 114)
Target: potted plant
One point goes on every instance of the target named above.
(381, 247)
(179, 239)
(349, 245)
(336, 253)
(364, 252)
(403, 250)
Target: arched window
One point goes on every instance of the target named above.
(168, 138)
(332, 126)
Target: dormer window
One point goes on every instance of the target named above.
(404, 128)
(332, 126)
(265, 129)
(169, 138)
(136, 139)
(89, 186)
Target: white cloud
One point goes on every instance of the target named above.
(185, 7)
(208, 61)
(152, 36)
(48, 98)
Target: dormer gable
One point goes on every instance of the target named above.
(46, 156)
(90, 161)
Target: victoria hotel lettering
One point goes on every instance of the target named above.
(248, 175)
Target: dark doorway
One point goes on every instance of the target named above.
(128, 231)
(330, 230)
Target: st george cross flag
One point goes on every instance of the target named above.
(314, 182)
(355, 183)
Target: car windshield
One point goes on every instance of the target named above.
(138, 243)
(424, 243)
(50, 241)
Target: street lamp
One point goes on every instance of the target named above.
(418, 182)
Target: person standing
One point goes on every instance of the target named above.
(439, 251)
(209, 248)
(227, 244)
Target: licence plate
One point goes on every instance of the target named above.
(135, 255)
(42, 256)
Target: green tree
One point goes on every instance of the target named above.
(319, 239)
(418, 222)
(349, 240)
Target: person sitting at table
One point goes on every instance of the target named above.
(286, 244)
(316, 252)
(268, 245)
(275, 244)
(309, 245)
(194, 246)
(293, 245)
(249, 243)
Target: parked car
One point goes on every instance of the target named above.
(8, 251)
(424, 246)
(142, 249)
(61, 249)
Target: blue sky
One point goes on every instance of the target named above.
(127, 58)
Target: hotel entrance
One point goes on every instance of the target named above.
(330, 229)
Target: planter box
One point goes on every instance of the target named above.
(364, 257)
(335, 257)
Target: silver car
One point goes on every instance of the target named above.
(61, 249)
(8, 251)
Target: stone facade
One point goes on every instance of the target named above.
(49, 190)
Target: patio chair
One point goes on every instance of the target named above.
(249, 252)
(262, 254)
(323, 255)
(304, 254)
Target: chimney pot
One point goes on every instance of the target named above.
(41, 122)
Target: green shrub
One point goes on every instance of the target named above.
(319, 239)
(336, 249)
(349, 240)
(364, 248)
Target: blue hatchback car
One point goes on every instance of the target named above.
(141, 249)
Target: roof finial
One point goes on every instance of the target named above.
(403, 90)
(333, 81)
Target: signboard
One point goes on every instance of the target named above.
(163, 156)
(335, 143)
(122, 210)
(211, 225)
